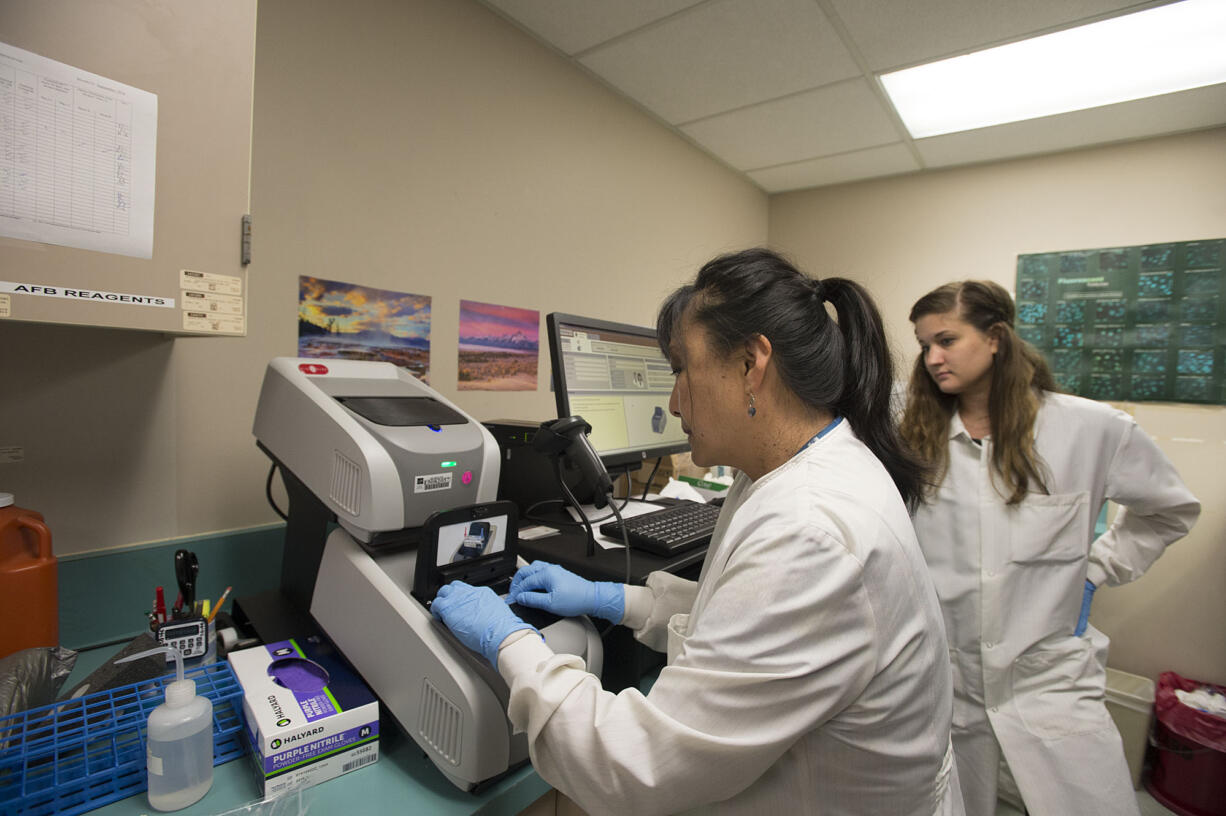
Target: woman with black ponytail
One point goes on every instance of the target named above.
(807, 669)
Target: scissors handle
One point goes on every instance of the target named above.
(186, 569)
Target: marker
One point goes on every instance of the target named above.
(159, 606)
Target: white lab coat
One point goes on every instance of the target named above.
(807, 670)
(1011, 581)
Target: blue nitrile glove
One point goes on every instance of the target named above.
(477, 616)
(1085, 609)
(542, 585)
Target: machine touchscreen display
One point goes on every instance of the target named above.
(476, 544)
(471, 539)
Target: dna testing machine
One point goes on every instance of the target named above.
(411, 481)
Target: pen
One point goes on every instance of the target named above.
(217, 606)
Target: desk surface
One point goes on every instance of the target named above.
(402, 781)
(568, 547)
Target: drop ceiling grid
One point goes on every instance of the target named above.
(797, 127)
(892, 34)
(781, 91)
(888, 160)
(724, 55)
(574, 26)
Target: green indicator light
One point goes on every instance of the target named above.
(447, 464)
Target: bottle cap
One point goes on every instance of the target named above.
(180, 693)
(6, 499)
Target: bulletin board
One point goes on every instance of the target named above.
(1138, 323)
(190, 67)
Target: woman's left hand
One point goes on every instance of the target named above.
(477, 616)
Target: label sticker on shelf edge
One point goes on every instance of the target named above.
(6, 308)
(214, 303)
(205, 322)
(210, 282)
(88, 295)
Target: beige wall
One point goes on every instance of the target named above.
(418, 145)
(905, 235)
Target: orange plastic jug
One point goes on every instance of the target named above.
(29, 583)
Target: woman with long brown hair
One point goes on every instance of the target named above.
(1007, 529)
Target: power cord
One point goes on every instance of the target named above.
(268, 493)
(625, 538)
(530, 512)
(647, 485)
(587, 524)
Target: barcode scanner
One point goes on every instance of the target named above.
(567, 437)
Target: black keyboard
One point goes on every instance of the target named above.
(668, 530)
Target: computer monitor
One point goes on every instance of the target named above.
(615, 377)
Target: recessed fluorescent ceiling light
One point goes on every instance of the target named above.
(1160, 50)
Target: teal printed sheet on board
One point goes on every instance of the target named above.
(1140, 323)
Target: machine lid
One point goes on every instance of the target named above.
(403, 411)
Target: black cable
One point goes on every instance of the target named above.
(647, 486)
(591, 536)
(531, 509)
(529, 512)
(268, 493)
(625, 539)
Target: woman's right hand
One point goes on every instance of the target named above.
(542, 585)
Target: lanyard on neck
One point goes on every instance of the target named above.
(833, 423)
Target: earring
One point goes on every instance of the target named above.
(753, 411)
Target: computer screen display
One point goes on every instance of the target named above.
(615, 377)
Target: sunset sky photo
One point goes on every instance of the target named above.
(353, 309)
(492, 326)
(348, 321)
(499, 347)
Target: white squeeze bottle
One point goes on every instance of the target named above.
(179, 741)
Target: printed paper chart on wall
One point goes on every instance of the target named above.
(1139, 323)
(77, 156)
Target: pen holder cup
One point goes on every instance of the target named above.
(210, 647)
(210, 653)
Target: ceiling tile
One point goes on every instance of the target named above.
(770, 88)
(892, 34)
(887, 160)
(834, 119)
(1171, 113)
(723, 55)
(576, 25)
